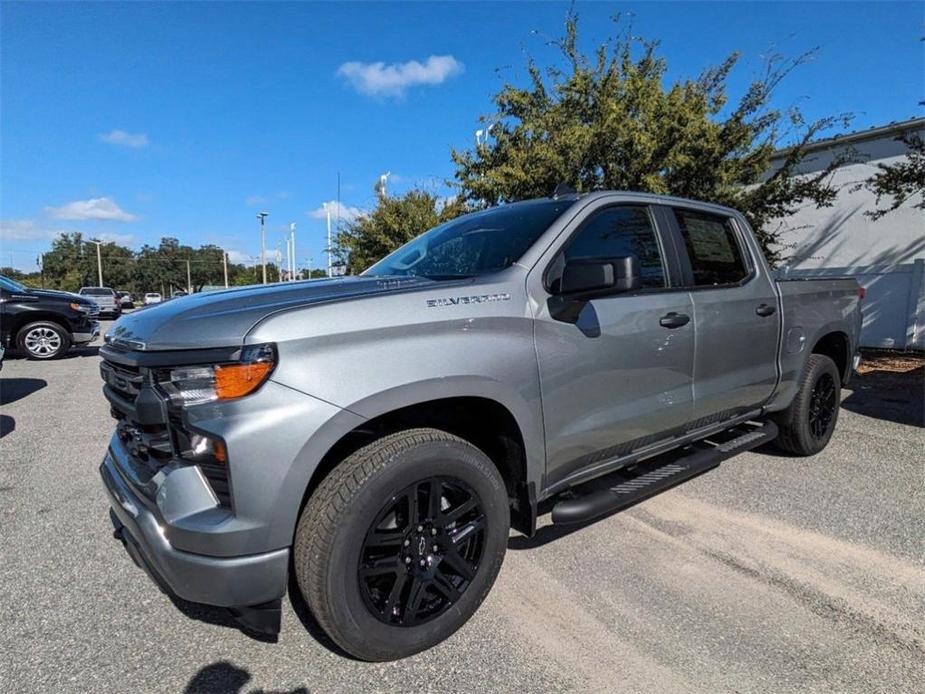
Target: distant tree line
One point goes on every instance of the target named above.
(72, 263)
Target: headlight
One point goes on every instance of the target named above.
(83, 308)
(194, 385)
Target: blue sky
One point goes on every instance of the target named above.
(135, 121)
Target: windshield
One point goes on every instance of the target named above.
(11, 285)
(474, 244)
(96, 291)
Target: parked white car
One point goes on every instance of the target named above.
(152, 298)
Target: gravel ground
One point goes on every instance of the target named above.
(769, 574)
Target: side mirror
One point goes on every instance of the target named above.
(584, 276)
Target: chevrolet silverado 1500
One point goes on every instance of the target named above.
(379, 435)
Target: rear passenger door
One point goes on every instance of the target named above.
(736, 318)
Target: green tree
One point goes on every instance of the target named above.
(901, 180)
(394, 221)
(610, 121)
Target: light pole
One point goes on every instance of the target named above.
(262, 216)
(99, 262)
(327, 210)
(292, 263)
(225, 267)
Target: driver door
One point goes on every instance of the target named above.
(621, 376)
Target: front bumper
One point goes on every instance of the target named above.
(83, 338)
(221, 581)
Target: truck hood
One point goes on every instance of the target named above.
(58, 295)
(223, 318)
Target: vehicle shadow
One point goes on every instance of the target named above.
(227, 678)
(895, 396)
(549, 532)
(87, 351)
(13, 389)
(7, 425)
(218, 616)
(302, 611)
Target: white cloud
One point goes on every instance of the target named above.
(121, 239)
(25, 230)
(346, 213)
(124, 139)
(379, 79)
(104, 209)
(238, 257)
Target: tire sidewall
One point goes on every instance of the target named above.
(435, 458)
(818, 367)
(62, 334)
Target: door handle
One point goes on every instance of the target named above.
(674, 320)
(765, 310)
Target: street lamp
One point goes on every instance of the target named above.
(99, 261)
(327, 211)
(262, 216)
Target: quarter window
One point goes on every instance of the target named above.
(617, 232)
(714, 253)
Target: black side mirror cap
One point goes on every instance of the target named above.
(599, 276)
(584, 279)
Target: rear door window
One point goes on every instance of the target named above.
(617, 232)
(714, 252)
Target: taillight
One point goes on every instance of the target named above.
(861, 292)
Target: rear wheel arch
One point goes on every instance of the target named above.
(836, 346)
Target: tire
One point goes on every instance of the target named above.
(818, 396)
(360, 518)
(43, 340)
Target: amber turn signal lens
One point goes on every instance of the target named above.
(235, 380)
(219, 452)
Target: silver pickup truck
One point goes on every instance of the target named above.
(378, 436)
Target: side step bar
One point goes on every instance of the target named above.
(651, 477)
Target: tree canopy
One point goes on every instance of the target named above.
(609, 121)
(72, 263)
(901, 180)
(394, 221)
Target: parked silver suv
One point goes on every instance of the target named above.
(379, 435)
(109, 302)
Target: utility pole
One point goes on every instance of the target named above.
(327, 210)
(189, 281)
(99, 262)
(292, 250)
(262, 216)
(225, 267)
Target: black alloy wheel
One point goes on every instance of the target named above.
(422, 551)
(822, 404)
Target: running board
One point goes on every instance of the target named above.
(657, 475)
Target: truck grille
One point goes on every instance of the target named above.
(126, 381)
(152, 442)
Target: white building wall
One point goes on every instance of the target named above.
(887, 256)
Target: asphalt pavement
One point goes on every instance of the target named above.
(769, 574)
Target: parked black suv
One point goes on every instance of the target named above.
(43, 323)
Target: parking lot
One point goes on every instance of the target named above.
(768, 574)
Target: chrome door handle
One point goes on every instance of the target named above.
(674, 320)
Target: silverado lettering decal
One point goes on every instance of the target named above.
(462, 300)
